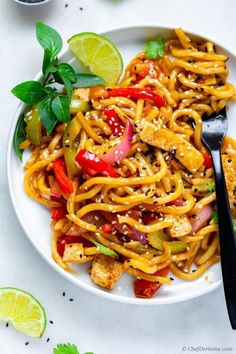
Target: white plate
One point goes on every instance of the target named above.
(35, 219)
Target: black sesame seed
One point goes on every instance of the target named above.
(63, 294)
(48, 339)
(71, 299)
(81, 9)
(171, 278)
(7, 324)
(26, 343)
(51, 322)
(66, 5)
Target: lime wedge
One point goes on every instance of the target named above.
(24, 312)
(99, 54)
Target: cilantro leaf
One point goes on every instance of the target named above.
(155, 48)
(65, 349)
(211, 186)
(105, 250)
(214, 216)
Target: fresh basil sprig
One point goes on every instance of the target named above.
(54, 104)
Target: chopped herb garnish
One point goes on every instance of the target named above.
(155, 48)
(211, 186)
(214, 216)
(67, 349)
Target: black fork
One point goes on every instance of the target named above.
(214, 128)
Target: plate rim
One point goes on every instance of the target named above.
(96, 290)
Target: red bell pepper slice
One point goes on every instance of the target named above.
(107, 228)
(114, 122)
(145, 289)
(59, 169)
(136, 93)
(66, 240)
(207, 161)
(92, 165)
(58, 213)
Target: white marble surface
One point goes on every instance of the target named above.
(93, 323)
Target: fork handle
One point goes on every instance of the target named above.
(227, 237)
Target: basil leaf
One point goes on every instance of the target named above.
(47, 117)
(52, 69)
(49, 89)
(46, 61)
(68, 86)
(155, 49)
(105, 250)
(29, 92)
(67, 71)
(61, 108)
(48, 38)
(88, 80)
(58, 78)
(19, 136)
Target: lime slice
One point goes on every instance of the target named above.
(23, 311)
(99, 54)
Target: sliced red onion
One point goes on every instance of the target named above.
(125, 229)
(202, 216)
(176, 202)
(139, 236)
(120, 151)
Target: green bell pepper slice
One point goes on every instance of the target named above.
(156, 240)
(77, 105)
(33, 125)
(69, 146)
